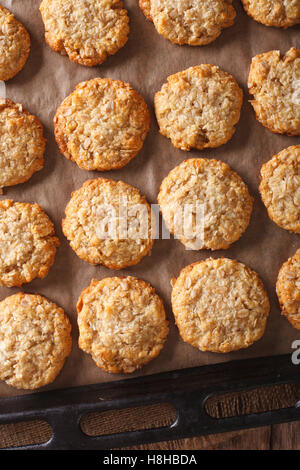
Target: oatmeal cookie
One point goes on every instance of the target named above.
(220, 305)
(102, 125)
(27, 243)
(280, 188)
(14, 45)
(193, 22)
(199, 107)
(145, 6)
(109, 222)
(278, 13)
(216, 198)
(122, 323)
(35, 340)
(275, 84)
(88, 31)
(22, 144)
(288, 289)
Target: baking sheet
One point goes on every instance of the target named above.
(145, 62)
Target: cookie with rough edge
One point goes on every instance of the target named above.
(102, 125)
(14, 45)
(35, 340)
(288, 291)
(192, 22)
(27, 243)
(199, 107)
(145, 6)
(122, 323)
(88, 31)
(277, 13)
(220, 305)
(110, 223)
(280, 188)
(22, 144)
(274, 81)
(205, 204)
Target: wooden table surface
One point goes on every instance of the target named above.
(276, 437)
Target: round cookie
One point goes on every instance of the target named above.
(88, 31)
(110, 223)
(14, 45)
(22, 144)
(102, 125)
(288, 291)
(122, 323)
(278, 13)
(35, 340)
(280, 188)
(199, 107)
(275, 84)
(220, 305)
(193, 22)
(27, 243)
(216, 197)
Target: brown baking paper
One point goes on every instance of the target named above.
(145, 62)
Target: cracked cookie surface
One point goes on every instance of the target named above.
(102, 125)
(220, 305)
(280, 188)
(88, 31)
(193, 22)
(199, 107)
(274, 81)
(14, 45)
(218, 198)
(27, 243)
(278, 13)
(35, 340)
(109, 222)
(22, 144)
(122, 323)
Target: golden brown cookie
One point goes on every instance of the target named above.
(88, 31)
(280, 188)
(199, 107)
(288, 289)
(122, 323)
(145, 6)
(14, 45)
(278, 13)
(274, 81)
(193, 22)
(27, 243)
(22, 144)
(102, 125)
(35, 340)
(109, 222)
(220, 305)
(205, 204)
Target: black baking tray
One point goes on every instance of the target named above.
(187, 390)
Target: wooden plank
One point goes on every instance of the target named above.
(286, 436)
(251, 439)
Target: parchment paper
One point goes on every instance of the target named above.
(145, 62)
